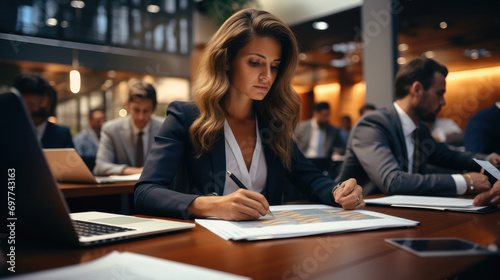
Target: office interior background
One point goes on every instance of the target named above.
(90, 51)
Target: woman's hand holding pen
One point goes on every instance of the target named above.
(350, 195)
(239, 205)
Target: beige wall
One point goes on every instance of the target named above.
(470, 91)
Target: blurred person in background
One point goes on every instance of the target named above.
(447, 131)
(87, 141)
(316, 137)
(482, 133)
(345, 128)
(125, 142)
(40, 100)
(366, 109)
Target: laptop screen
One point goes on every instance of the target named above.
(36, 206)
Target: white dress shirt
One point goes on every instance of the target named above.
(443, 127)
(255, 178)
(408, 128)
(40, 129)
(312, 148)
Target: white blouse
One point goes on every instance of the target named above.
(255, 178)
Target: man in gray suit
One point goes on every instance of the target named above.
(125, 142)
(317, 138)
(388, 149)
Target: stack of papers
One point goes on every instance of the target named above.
(303, 220)
(126, 265)
(430, 202)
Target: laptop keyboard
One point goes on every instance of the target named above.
(86, 229)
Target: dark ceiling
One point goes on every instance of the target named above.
(473, 28)
(472, 25)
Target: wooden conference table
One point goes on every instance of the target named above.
(361, 255)
(83, 190)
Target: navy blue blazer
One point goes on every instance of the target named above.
(56, 136)
(173, 177)
(482, 133)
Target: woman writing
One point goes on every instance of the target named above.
(242, 120)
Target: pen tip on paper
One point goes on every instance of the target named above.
(271, 213)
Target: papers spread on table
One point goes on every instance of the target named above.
(490, 168)
(126, 265)
(303, 220)
(117, 178)
(429, 202)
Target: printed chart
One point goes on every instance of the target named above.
(306, 216)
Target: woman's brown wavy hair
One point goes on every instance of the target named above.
(280, 109)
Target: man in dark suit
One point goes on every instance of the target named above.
(316, 137)
(482, 134)
(39, 98)
(389, 148)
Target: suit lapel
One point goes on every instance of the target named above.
(218, 156)
(273, 190)
(128, 140)
(153, 128)
(400, 136)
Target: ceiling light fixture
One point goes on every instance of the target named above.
(74, 81)
(339, 63)
(403, 47)
(122, 113)
(320, 25)
(475, 53)
(443, 25)
(74, 76)
(401, 60)
(153, 9)
(51, 22)
(344, 47)
(77, 4)
(429, 54)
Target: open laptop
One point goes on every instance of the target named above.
(67, 166)
(36, 205)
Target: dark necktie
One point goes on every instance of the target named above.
(139, 150)
(416, 151)
(98, 133)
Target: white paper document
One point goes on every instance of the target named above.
(429, 202)
(490, 168)
(117, 178)
(303, 220)
(129, 266)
